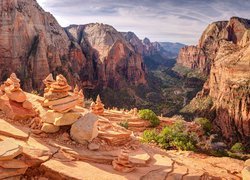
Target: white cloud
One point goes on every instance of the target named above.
(159, 20)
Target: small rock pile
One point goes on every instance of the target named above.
(63, 106)
(13, 100)
(122, 163)
(97, 107)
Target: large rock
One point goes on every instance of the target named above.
(85, 129)
(246, 173)
(50, 128)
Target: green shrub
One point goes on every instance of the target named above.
(205, 124)
(172, 137)
(149, 115)
(149, 136)
(124, 124)
(238, 148)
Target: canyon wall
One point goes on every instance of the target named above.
(223, 53)
(33, 44)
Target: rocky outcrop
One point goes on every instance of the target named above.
(225, 48)
(111, 60)
(200, 57)
(33, 45)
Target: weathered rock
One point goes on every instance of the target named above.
(247, 162)
(11, 173)
(67, 119)
(16, 132)
(27, 105)
(50, 128)
(9, 150)
(93, 146)
(246, 173)
(13, 164)
(85, 128)
(50, 116)
(17, 96)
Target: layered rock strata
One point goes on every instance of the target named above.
(122, 163)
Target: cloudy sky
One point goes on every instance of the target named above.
(160, 20)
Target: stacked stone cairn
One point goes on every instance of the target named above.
(13, 100)
(63, 106)
(122, 163)
(97, 107)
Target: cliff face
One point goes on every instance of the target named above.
(111, 60)
(223, 52)
(201, 56)
(33, 44)
(229, 86)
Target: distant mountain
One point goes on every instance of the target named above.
(172, 47)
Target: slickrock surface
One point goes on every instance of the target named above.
(56, 156)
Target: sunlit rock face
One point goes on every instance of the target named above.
(33, 44)
(111, 60)
(223, 53)
(200, 57)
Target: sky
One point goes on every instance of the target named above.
(159, 20)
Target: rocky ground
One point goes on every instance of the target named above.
(30, 154)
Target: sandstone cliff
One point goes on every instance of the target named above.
(224, 50)
(33, 44)
(111, 59)
(201, 56)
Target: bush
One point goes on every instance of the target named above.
(149, 136)
(238, 148)
(172, 137)
(124, 124)
(205, 124)
(149, 115)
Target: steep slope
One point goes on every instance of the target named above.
(227, 49)
(201, 56)
(33, 44)
(172, 47)
(113, 59)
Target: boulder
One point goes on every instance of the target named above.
(50, 128)
(27, 105)
(246, 173)
(247, 162)
(85, 129)
(67, 119)
(93, 146)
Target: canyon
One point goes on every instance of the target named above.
(223, 55)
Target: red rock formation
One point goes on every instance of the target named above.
(114, 60)
(201, 56)
(226, 46)
(33, 44)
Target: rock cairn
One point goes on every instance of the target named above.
(97, 107)
(122, 163)
(14, 101)
(61, 104)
